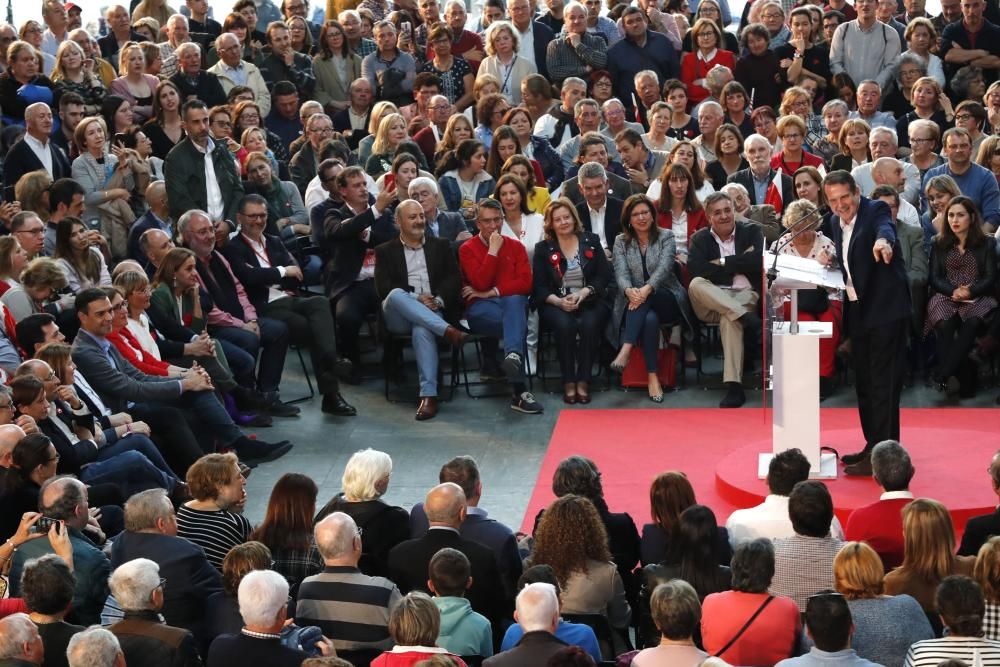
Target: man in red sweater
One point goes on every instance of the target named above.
(881, 523)
(497, 281)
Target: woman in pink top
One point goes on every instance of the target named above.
(774, 631)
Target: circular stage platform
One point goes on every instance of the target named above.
(950, 466)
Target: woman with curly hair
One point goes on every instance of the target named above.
(571, 539)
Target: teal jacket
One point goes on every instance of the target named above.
(463, 631)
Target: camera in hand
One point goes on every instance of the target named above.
(44, 523)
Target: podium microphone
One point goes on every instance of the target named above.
(772, 273)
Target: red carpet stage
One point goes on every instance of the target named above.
(951, 449)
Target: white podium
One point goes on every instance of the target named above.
(795, 360)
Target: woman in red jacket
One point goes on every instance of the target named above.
(706, 38)
(678, 209)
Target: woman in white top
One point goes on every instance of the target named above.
(503, 62)
(657, 138)
(82, 262)
(921, 36)
(685, 153)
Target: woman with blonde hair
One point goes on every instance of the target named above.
(989, 155)
(134, 85)
(457, 130)
(570, 537)
(884, 625)
(13, 259)
(40, 281)
(148, 27)
(73, 73)
(503, 62)
(571, 277)
(929, 103)
(414, 625)
(391, 133)
(381, 110)
(928, 555)
(365, 480)
(853, 141)
(32, 191)
(987, 573)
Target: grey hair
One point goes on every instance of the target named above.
(423, 181)
(348, 12)
(884, 130)
(187, 216)
(218, 40)
(836, 104)
(537, 604)
(174, 18)
(133, 582)
(187, 46)
(335, 535)
(756, 138)
(145, 508)
(16, 630)
(591, 170)
(456, 2)
(907, 59)
(713, 106)
(574, 80)
(609, 103)
(646, 73)
(94, 647)
(574, 4)
(63, 507)
(316, 116)
(962, 78)
(718, 77)
(586, 102)
(262, 594)
(364, 469)
(891, 465)
(731, 188)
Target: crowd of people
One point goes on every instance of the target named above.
(362, 582)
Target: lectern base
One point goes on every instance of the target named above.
(827, 466)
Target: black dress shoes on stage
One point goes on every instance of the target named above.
(862, 468)
(851, 459)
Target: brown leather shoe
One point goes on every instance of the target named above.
(454, 336)
(428, 408)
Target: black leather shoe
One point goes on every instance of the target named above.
(862, 468)
(276, 408)
(334, 404)
(851, 459)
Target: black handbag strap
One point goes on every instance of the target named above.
(745, 626)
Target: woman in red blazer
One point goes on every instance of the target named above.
(706, 38)
(680, 211)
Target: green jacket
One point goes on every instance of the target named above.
(184, 174)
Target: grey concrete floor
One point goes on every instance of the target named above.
(508, 446)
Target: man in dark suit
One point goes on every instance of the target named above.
(876, 311)
(599, 212)
(531, 33)
(538, 615)
(157, 217)
(351, 234)
(352, 122)
(725, 265)
(757, 178)
(441, 224)
(263, 264)
(981, 528)
(35, 151)
(119, 32)
(419, 285)
(408, 561)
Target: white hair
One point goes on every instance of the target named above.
(348, 13)
(537, 606)
(132, 583)
(713, 106)
(448, 5)
(335, 535)
(218, 40)
(10, 435)
(363, 471)
(262, 594)
(421, 182)
(732, 189)
(755, 139)
(94, 647)
(177, 18)
(185, 220)
(884, 130)
(187, 46)
(646, 73)
(573, 4)
(16, 630)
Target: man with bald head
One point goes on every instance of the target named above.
(156, 243)
(419, 285)
(36, 150)
(445, 506)
(65, 498)
(157, 217)
(351, 608)
(10, 435)
(20, 643)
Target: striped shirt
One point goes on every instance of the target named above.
(974, 651)
(215, 531)
(351, 608)
(803, 566)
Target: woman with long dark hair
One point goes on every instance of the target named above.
(463, 178)
(669, 495)
(287, 529)
(335, 66)
(165, 129)
(679, 210)
(79, 257)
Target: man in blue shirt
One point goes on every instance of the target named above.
(642, 49)
(977, 183)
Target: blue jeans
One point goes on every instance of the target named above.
(405, 315)
(503, 317)
(133, 464)
(642, 325)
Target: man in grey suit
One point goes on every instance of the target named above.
(121, 386)
(442, 224)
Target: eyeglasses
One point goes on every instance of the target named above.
(440, 107)
(162, 584)
(222, 123)
(361, 531)
(255, 216)
(772, 15)
(250, 117)
(963, 117)
(36, 231)
(917, 140)
(322, 130)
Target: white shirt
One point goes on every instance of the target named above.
(769, 520)
(526, 46)
(848, 229)
(213, 193)
(42, 151)
(679, 226)
(597, 223)
(727, 248)
(273, 293)
(532, 231)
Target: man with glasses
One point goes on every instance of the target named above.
(300, 8)
(233, 71)
(142, 633)
(641, 50)
(319, 129)
(865, 47)
(439, 110)
(351, 608)
(29, 230)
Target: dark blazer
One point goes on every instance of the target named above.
(442, 270)
(703, 249)
(384, 527)
(342, 121)
(534, 650)
(986, 266)
(597, 272)
(21, 160)
(207, 88)
(241, 650)
(745, 178)
(883, 289)
(184, 174)
(977, 531)
(143, 224)
(408, 568)
(109, 45)
(612, 219)
(618, 187)
(182, 563)
(450, 225)
(256, 279)
(541, 36)
(341, 229)
(302, 167)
